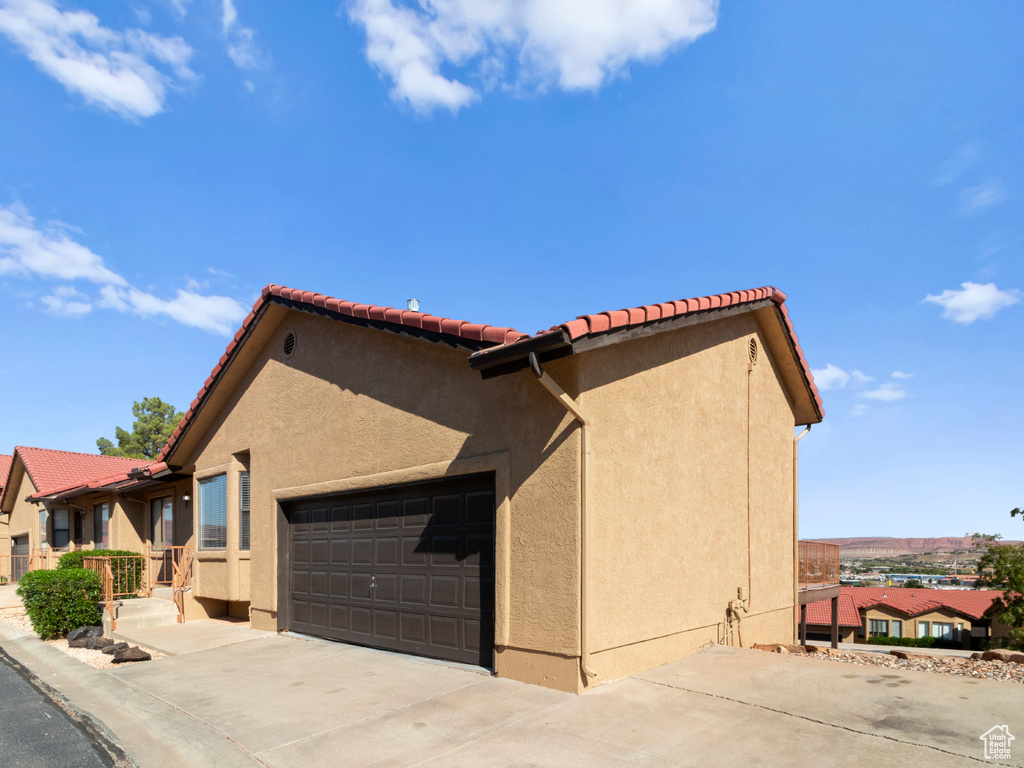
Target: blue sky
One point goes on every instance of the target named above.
(522, 163)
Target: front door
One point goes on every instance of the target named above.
(19, 559)
(79, 532)
(161, 518)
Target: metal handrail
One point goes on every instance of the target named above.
(101, 566)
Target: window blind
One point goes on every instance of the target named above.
(213, 513)
(243, 511)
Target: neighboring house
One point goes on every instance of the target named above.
(960, 616)
(34, 518)
(410, 482)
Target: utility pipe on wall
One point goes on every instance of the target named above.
(571, 406)
(796, 534)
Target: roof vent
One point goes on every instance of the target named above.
(414, 305)
(752, 351)
(289, 343)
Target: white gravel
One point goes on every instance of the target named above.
(93, 658)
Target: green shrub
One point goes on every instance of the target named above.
(915, 642)
(127, 568)
(58, 601)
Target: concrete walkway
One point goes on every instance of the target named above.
(190, 637)
(868, 648)
(286, 702)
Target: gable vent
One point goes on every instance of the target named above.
(289, 343)
(752, 351)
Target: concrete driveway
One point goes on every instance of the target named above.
(287, 701)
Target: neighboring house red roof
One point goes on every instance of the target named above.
(5, 468)
(969, 602)
(481, 338)
(820, 612)
(55, 471)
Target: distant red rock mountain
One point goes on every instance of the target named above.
(882, 546)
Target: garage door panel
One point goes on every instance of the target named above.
(386, 588)
(387, 514)
(387, 552)
(362, 551)
(407, 568)
(414, 589)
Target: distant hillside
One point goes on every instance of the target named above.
(882, 546)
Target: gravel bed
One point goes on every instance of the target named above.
(943, 665)
(93, 658)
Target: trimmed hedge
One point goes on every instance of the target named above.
(915, 642)
(59, 601)
(127, 571)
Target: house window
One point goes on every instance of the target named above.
(42, 528)
(942, 630)
(101, 526)
(61, 528)
(161, 521)
(213, 513)
(922, 629)
(243, 511)
(960, 631)
(897, 628)
(878, 628)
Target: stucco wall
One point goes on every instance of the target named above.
(688, 445)
(24, 516)
(357, 408)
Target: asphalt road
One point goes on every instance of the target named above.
(36, 733)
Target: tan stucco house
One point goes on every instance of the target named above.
(36, 515)
(961, 616)
(566, 508)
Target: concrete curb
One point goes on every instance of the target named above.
(152, 733)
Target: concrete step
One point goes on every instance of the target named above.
(142, 612)
(164, 593)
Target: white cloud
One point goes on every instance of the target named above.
(180, 7)
(860, 409)
(65, 301)
(958, 163)
(902, 375)
(887, 392)
(28, 252)
(241, 41)
(973, 199)
(860, 378)
(109, 68)
(216, 314)
(830, 377)
(975, 301)
(575, 44)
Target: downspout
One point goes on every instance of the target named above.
(796, 534)
(572, 407)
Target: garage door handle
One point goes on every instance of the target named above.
(373, 584)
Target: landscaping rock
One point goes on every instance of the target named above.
(98, 643)
(82, 633)
(975, 656)
(908, 655)
(115, 648)
(1003, 655)
(770, 647)
(131, 654)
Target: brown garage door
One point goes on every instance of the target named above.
(408, 568)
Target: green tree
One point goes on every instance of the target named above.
(913, 584)
(1002, 567)
(155, 420)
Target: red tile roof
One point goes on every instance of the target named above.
(970, 602)
(487, 337)
(820, 612)
(5, 468)
(55, 471)
(621, 319)
(477, 334)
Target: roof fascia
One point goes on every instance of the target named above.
(15, 476)
(455, 342)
